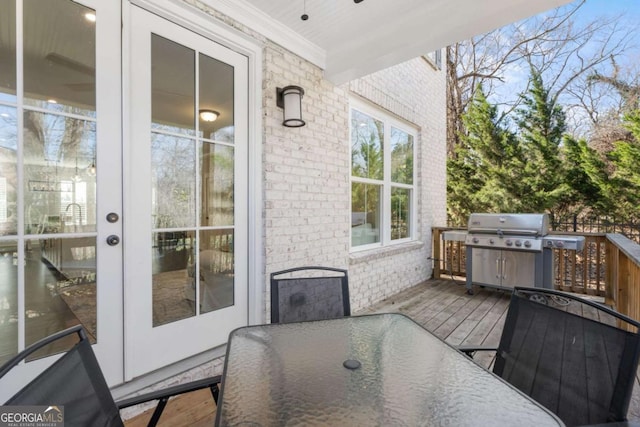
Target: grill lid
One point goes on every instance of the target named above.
(509, 224)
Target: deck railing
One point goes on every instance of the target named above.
(608, 266)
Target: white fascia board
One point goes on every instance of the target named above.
(248, 15)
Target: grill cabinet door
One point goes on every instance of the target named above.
(486, 266)
(518, 268)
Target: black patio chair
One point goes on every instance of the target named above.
(576, 357)
(309, 293)
(76, 382)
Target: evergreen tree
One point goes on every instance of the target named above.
(626, 175)
(587, 177)
(480, 173)
(541, 126)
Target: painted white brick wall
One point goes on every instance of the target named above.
(306, 180)
(306, 175)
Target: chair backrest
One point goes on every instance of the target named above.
(574, 356)
(74, 381)
(323, 293)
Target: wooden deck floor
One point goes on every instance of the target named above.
(441, 306)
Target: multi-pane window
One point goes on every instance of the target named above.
(382, 179)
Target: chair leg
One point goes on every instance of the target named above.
(215, 392)
(158, 412)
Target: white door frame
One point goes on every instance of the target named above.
(205, 25)
(109, 152)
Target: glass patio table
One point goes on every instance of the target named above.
(381, 369)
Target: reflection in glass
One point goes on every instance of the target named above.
(400, 220)
(401, 157)
(216, 269)
(8, 172)
(59, 57)
(216, 184)
(172, 87)
(8, 50)
(60, 191)
(365, 213)
(174, 283)
(60, 288)
(367, 136)
(173, 171)
(216, 93)
(8, 299)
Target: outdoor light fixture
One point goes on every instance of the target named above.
(208, 115)
(289, 98)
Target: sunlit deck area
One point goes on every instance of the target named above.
(441, 306)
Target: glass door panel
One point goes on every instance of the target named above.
(9, 312)
(59, 56)
(8, 50)
(8, 300)
(58, 148)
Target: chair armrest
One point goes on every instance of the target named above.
(469, 350)
(171, 391)
(164, 394)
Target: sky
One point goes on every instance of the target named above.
(628, 10)
(517, 75)
(612, 7)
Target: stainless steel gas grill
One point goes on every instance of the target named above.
(507, 250)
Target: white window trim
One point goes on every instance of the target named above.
(435, 58)
(389, 121)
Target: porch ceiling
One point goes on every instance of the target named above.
(350, 40)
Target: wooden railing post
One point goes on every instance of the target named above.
(623, 275)
(437, 251)
(612, 288)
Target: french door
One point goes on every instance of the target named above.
(60, 179)
(185, 194)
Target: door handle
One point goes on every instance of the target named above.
(504, 268)
(113, 240)
(498, 268)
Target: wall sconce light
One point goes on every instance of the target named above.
(289, 98)
(208, 115)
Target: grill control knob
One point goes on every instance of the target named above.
(491, 241)
(527, 243)
(559, 244)
(476, 240)
(550, 243)
(509, 242)
(518, 243)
